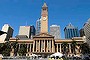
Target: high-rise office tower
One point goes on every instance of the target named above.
(81, 31)
(44, 19)
(38, 26)
(9, 31)
(55, 31)
(32, 31)
(2, 36)
(71, 31)
(24, 31)
(87, 31)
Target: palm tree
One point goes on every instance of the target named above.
(23, 50)
(65, 48)
(73, 45)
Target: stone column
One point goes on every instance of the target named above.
(19, 46)
(27, 47)
(36, 45)
(52, 46)
(60, 47)
(33, 45)
(39, 46)
(44, 45)
(30, 47)
(57, 47)
(69, 48)
(47, 45)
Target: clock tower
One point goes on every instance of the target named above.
(44, 19)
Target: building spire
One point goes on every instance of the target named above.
(70, 24)
(44, 5)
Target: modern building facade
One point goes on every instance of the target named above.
(2, 36)
(55, 31)
(9, 32)
(38, 26)
(32, 31)
(71, 31)
(81, 31)
(25, 30)
(87, 31)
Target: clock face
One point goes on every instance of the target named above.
(44, 18)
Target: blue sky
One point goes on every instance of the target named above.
(61, 12)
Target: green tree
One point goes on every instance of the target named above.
(1, 47)
(85, 49)
(15, 46)
(23, 50)
(73, 45)
(6, 49)
(65, 48)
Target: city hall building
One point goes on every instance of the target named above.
(45, 44)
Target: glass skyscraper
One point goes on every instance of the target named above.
(38, 26)
(82, 32)
(71, 31)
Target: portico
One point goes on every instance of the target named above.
(43, 43)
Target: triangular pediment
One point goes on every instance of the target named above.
(43, 35)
